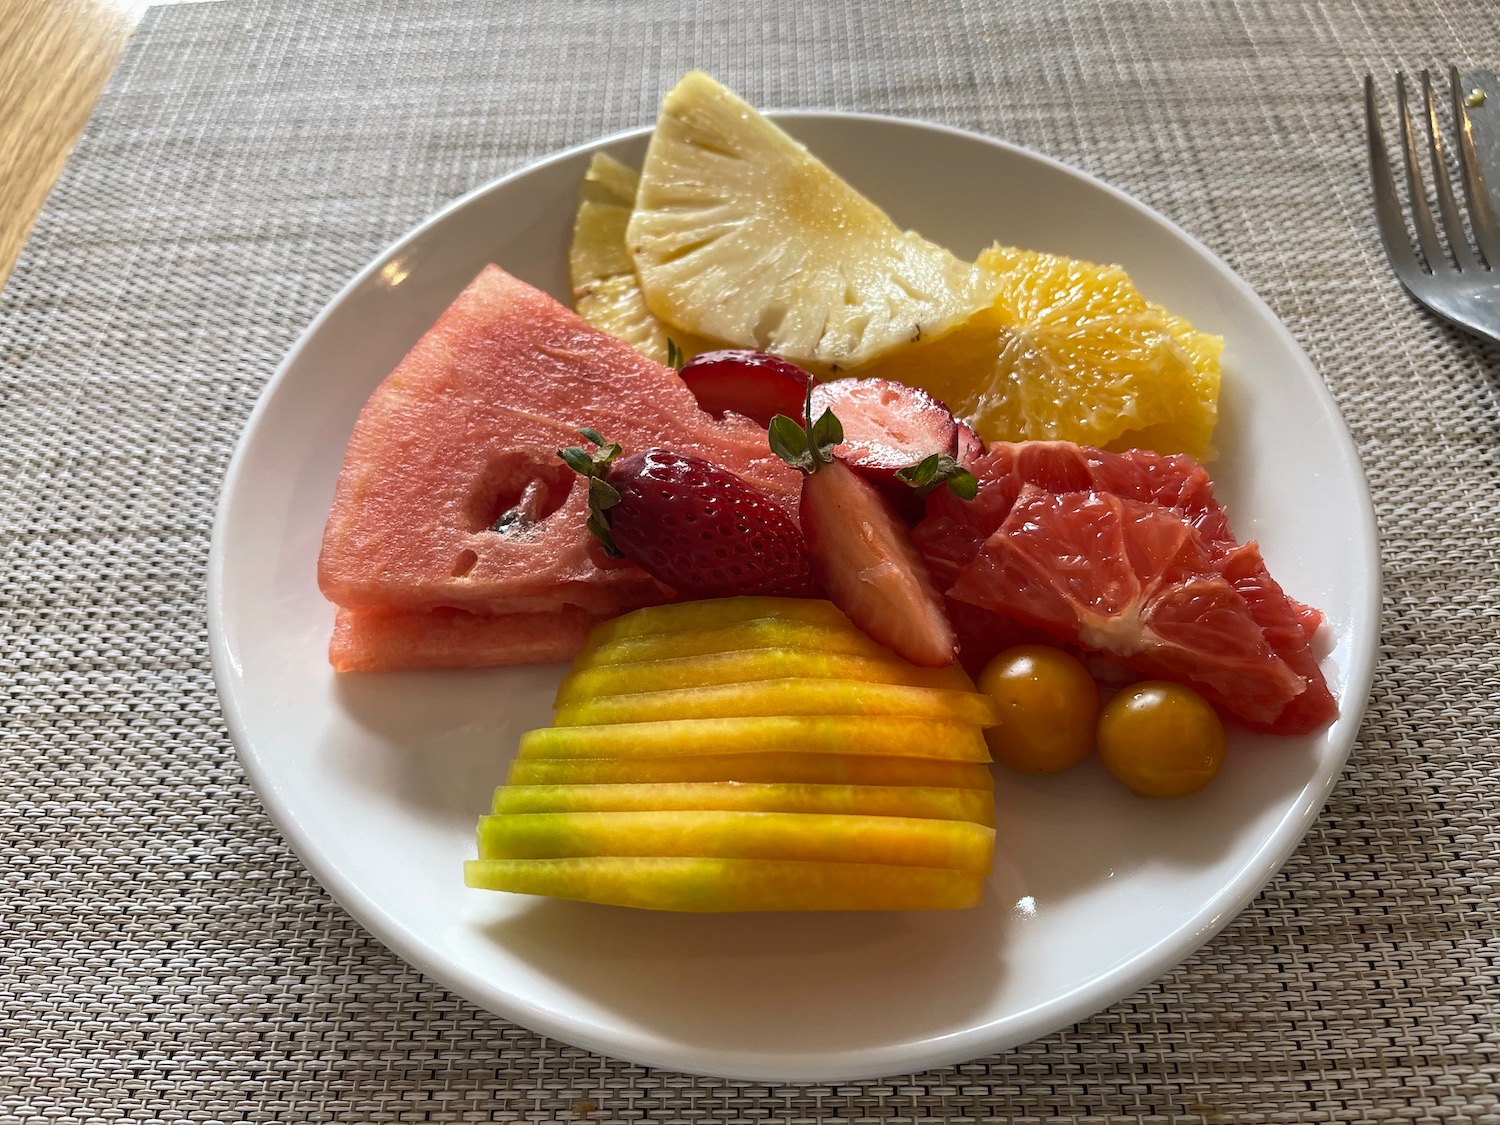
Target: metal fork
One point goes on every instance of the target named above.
(1458, 283)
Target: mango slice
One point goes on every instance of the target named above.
(748, 665)
(781, 697)
(926, 802)
(823, 837)
(792, 767)
(818, 734)
(748, 754)
(716, 885)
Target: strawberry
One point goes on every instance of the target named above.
(698, 528)
(860, 550)
(755, 384)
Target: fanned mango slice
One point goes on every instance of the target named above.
(748, 754)
(747, 666)
(816, 734)
(768, 698)
(789, 766)
(787, 797)
(821, 837)
(717, 885)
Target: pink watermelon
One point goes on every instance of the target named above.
(452, 495)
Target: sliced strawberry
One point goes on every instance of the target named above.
(971, 446)
(755, 384)
(699, 529)
(863, 557)
(887, 426)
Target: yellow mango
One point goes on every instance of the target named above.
(703, 885)
(791, 767)
(766, 633)
(822, 837)
(781, 697)
(746, 665)
(716, 613)
(863, 800)
(815, 734)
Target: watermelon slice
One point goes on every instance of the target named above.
(452, 496)
(1211, 615)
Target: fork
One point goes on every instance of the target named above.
(1458, 284)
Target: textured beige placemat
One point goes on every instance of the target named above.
(166, 958)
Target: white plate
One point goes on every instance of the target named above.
(377, 781)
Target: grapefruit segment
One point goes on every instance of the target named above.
(1132, 580)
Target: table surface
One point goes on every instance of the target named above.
(164, 956)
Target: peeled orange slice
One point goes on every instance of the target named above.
(1071, 351)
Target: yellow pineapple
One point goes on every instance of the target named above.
(606, 292)
(741, 235)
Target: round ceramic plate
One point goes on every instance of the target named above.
(377, 781)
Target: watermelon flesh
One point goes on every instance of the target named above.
(457, 535)
(452, 493)
(1128, 555)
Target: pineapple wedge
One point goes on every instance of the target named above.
(741, 235)
(605, 290)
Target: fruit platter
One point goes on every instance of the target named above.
(432, 606)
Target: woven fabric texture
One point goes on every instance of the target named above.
(163, 954)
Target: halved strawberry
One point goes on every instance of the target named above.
(698, 528)
(860, 550)
(756, 384)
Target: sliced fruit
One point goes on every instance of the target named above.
(887, 425)
(780, 698)
(748, 665)
(814, 734)
(789, 797)
(1070, 350)
(691, 525)
(717, 613)
(606, 292)
(786, 767)
(863, 557)
(1133, 581)
(756, 384)
(817, 837)
(741, 235)
(716, 885)
(771, 633)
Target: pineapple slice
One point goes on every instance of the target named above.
(605, 290)
(741, 235)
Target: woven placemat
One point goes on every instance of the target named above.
(166, 958)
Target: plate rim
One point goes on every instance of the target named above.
(884, 1060)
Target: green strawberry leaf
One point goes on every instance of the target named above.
(602, 495)
(578, 460)
(827, 432)
(675, 358)
(596, 524)
(789, 442)
(937, 470)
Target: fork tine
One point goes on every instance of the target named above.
(1481, 213)
(1393, 234)
(1416, 191)
(1453, 223)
